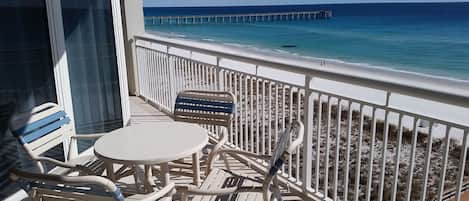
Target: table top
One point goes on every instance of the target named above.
(151, 144)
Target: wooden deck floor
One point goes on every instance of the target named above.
(143, 113)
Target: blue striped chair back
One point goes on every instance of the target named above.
(205, 107)
(45, 127)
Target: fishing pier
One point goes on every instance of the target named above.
(238, 18)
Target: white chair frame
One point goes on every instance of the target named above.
(270, 188)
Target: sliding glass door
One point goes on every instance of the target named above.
(92, 61)
(63, 51)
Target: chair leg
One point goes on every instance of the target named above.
(184, 197)
(196, 168)
(276, 190)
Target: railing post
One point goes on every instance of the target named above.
(308, 135)
(172, 78)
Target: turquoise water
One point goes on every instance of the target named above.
(424, 38)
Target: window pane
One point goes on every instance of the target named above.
(91, 54)
(26, 72)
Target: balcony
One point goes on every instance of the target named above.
(370, 134)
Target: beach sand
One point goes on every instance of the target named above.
(425, 109)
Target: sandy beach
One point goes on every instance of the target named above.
(423, 108)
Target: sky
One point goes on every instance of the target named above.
(192, 3)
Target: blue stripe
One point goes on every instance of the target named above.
(118, 195)
(277, 165)
(45, 130)
(204, 102)
(205, 109)
(40, 123)
(21, 140)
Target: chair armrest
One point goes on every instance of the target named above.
(63, 164)
(87, 137)
(235, 152)
(55, 162)
(15, 174)
(300, 130)
(155, 195)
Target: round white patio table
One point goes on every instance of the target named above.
(155, 144)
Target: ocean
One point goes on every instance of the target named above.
(428, 38)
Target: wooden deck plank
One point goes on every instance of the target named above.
(143, 113)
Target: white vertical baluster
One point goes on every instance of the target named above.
(158, 79)
(462, 164)
(383, 155)
(241, 116)
(328, 133)
(238, 106)
(412, 161)
(347, 150)
(277, 116)
(263, 117)
(371, 157)
(139, 65)
(204, 77)
(246, 115)
(269, 109)
(359, 148)
(441, 187)
(258, 140)
(251, 112)
(179, 77)
(151, 68)
(283, 116)
(200, 80)
(192, 74)
(428, 155)
(396, 160)
(318, 144)
(298, 117)
(145, 84)
(337, 148)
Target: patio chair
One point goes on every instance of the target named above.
(48, 187)
(268, 187)
(207, 108)
(47, 126)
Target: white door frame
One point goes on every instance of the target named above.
(59, 58)
(61, 72)
(121, 64)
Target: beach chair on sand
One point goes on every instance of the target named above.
(48, 187)
(266, 188)
(47, 126)
(207, 108)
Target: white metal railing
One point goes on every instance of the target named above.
(358, 146)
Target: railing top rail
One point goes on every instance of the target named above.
(244, 14)
(449, 91)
